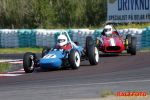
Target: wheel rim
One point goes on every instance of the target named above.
(96, 55)
(77, 59)
(31, 62)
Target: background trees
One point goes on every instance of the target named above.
(52, 13)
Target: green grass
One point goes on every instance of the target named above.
(5, 66)
(129, 25)
(39, 50)
(132, 25)
(106, 93)
(20, 50)
(144, 49)
(118, 26)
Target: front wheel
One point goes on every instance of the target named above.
(28, 62)
(74, 59)
(93, 55)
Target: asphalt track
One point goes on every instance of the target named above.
(119, 72)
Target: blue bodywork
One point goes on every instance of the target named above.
(53, 58)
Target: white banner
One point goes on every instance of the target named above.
(128, 11)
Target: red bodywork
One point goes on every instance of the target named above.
(115, 47)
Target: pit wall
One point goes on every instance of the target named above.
(43, 37)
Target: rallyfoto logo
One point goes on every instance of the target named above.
(112, 1)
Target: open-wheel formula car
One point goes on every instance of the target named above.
(114, 43)
(57, 57)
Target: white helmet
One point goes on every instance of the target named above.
(61, 40)
(108, 30)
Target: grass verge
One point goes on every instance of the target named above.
(118, 25)
(144, 49)
(110, 95)
(39, 50)
(5, 66)
(106, 93)
(20, 50)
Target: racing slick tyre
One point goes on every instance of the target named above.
(28, 62)
(129, 42)
(93, 54)
(74, 59)
(89, 41)
(133, 45)
(45, 51)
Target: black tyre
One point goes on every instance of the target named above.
(74, 59)
(45, 51)
(133, 45)
(28, 62)
(89, 41)
(129, 42)
(93, 55)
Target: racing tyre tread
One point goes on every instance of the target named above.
(92, 55)
(89, 41)
(27, 63)
(133, 45)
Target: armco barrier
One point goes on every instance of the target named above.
(147, 37)
(43, 37)
(9, 38)
(27, 38)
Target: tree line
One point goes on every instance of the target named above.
(32, 14)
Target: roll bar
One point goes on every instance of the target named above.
(67, 36)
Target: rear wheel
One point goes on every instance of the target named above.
(89, 41)
(93, 55)
(133, 46)
(74, 59)
(28, 62)
(129, 42)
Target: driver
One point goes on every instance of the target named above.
(62, 41)
(107, 31)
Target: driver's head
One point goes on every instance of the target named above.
(108, 30)
(61, 40)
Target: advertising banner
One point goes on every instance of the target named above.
(128, 11)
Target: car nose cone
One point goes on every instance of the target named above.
(50, 63)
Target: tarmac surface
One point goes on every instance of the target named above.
(119, 72)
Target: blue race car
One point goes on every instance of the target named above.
(57, 57)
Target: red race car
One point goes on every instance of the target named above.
(110, 41)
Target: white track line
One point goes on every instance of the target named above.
(10, 74)
(15, 72)
(16, 62)
(6, 60)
